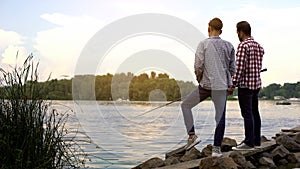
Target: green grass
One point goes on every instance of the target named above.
(32, 134)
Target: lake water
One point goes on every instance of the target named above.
(122, 136)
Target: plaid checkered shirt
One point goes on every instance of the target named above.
(248, 65)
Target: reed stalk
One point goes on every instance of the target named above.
(32, 133)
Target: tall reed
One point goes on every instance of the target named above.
(32, 134)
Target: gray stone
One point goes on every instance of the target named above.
(217, 163)
(292, 158)
(294, 130)
(265, 146)
(288, 143)
(151, 163)
(266, 154)
(263, 139)
(206, 151)
(297, 137)
(279, 153)
(176, 153)
(191, 155)
(267, 162)
(282, 162)
(297, 155)
(172, 160)
(239, 159)
(227, 144)
(184, 165)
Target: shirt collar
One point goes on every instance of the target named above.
(250, 38)
(214, 37)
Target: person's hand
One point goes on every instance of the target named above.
(230, 90)
(199, 78)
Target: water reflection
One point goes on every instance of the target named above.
(124, 140)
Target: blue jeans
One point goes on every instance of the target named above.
(219, 98)
(248, 100)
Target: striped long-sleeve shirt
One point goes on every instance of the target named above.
(249, 63)
(215, 63)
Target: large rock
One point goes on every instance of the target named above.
(172, 160)
(227, 144)
(288, 143)
(239, 159)
(268, 162)
(282, 162)
(206, 151)
(292, 158)
(279, 153)
(151, 163)
(266, 154)
(176, 153)
(182, 155)
(264, 139)
(217, 163)
(297, 137)
(297, 155)
(191, 155)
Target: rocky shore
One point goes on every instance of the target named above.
(282, 152)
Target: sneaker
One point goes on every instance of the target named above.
(192, 142)
(216, 151)
(257, 147)
(242, 146)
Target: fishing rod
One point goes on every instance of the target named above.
(178, 99)
(159, 107)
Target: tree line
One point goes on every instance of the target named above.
(121, 86)
(287, 90)
(143, 87)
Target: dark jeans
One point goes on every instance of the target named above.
(248, 100)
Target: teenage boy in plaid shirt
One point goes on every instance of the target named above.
(247, 78)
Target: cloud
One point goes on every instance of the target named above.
(61, 45)
(10, 43)
(274, 29)
(9, 38)
(14, 54)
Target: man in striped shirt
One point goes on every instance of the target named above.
(247, 78)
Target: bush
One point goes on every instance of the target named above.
(32, 134)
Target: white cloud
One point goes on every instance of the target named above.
(10, 43)
(61, 45)
(9, 38)
(275, 30)
(14, 54)
(122, 57)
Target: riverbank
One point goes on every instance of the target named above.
(283, 151)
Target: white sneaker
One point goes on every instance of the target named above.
(242, 146)
(216, 151)
(192, 142)
(258, 147)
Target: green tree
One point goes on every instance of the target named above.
(153, 75)
(103, 87)
(270, 90)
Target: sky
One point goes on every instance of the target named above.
(56, 32)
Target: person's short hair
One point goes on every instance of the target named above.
(245, 27)
(216, 24)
